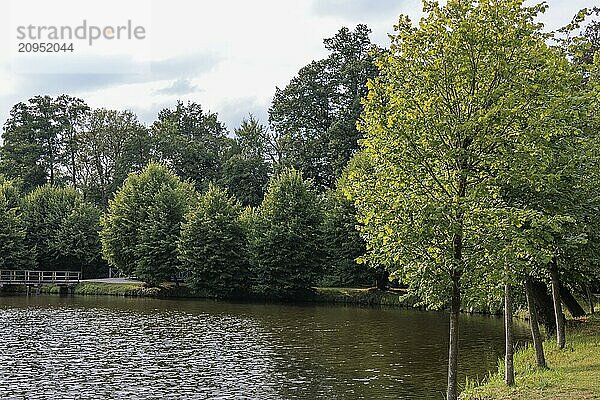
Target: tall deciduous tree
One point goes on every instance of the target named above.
(284, 237)
(212, 247)
(580, 40)
(112, 145)
(191, 142)
(444, 125)
(30, 147)
(315, 114)
(40, 140)
(72, 114)
(141, 228)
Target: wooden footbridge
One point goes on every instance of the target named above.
(66, 280)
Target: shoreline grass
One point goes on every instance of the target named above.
(356, 296)
(573, 372)
(319, 295)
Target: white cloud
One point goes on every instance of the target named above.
(228, 55)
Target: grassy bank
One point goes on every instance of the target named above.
(354, 296)
(123, 290)
(361, 296)
(573, 373)
(357, 296)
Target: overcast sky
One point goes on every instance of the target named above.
(228, 55)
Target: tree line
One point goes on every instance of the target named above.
(65, 165)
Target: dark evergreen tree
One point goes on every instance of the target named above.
(246, 173)
(343, 245)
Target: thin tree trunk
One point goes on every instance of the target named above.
(509, 366)
(590, 298)
(558, 314)
(544, 306)
(571, 303)
(540, 359)
(452, 390)
(73, 165)
(457, 248)
(382, 279)
(51, 156)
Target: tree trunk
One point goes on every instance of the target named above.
(571, 302)
(509, 366)
(51, 161)
(558, 314)
(590, 297)
(382, 279)
(543, 305)
(535, 329)
(452, 390)
(73, 167)
(540, 359)
(457, 248)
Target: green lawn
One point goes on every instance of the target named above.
(573, 373)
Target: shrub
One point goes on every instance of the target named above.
(14, 254)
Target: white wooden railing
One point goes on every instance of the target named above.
(33, 277)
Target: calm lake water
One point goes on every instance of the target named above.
(117, 348)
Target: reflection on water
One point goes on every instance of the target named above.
(115, 348)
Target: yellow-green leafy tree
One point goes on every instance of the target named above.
(465, 102)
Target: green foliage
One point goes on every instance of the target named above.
(465, 102)
(11, 193)
(284, 236)
(191, 142)
(342, 245)
(212, 247)
(575, 194)
(39, 140)
(141, 227)
(113, 144)
(62, 229)
(79, 240)
(246, 177)
(254, 139)
(14, 254)
(315, 114)
(246, 173)
(29, 144)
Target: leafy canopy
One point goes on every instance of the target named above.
(465, 102)
(141, 228)
(284, 236)
(212, 247)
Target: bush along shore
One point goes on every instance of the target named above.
(572, 373)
